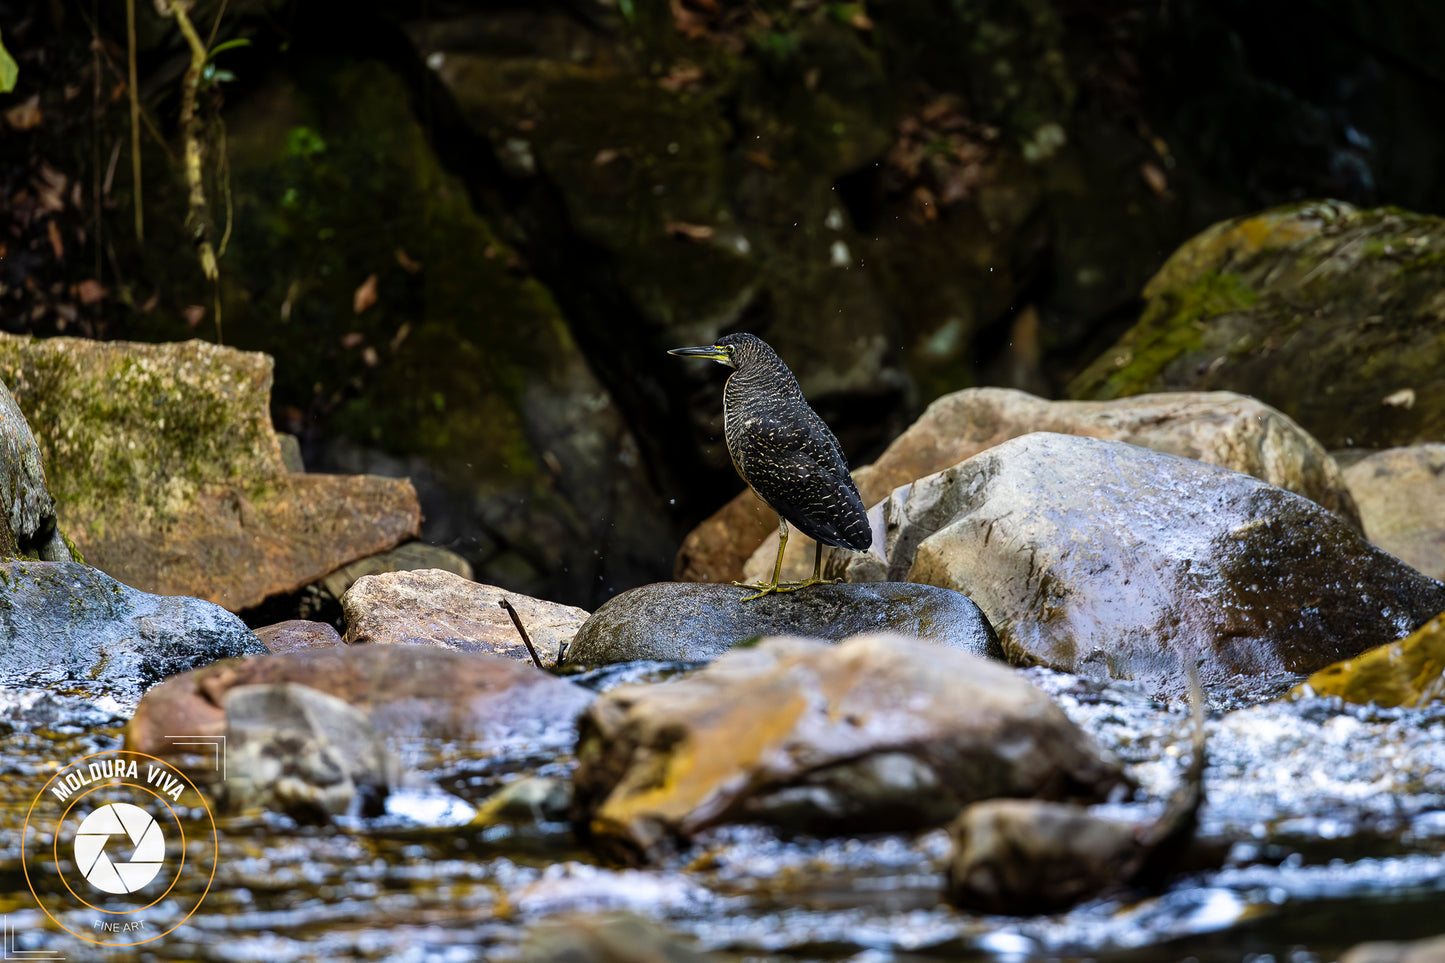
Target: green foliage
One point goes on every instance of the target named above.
(303, 142)
(9, 70)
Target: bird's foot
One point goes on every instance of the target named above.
(761, 588)
(794, 586)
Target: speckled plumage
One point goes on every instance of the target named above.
(785, 452)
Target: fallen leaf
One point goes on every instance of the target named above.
(25, 115)
(149, 304)
(761, 159)
(369, 358)
(606, 156)
(90, 291)
(861, 21)
(696, 232)
(352, 339)
(400, 336)
(1154, 176)
(194, 315)
(407, 264)
(683, 75)
(57, 246)
(365, 295)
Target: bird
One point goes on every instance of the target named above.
(786, 454)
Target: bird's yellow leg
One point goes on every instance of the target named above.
(768, 588)
(817, 577)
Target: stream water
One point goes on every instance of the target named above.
(1332, 818)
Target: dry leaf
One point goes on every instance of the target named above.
(1154, 177)
(352, 339)
(369, 358)
(606, 156)
(194, 315)
(861, 21)
(400, 336)
(57, 246)
(683, 75)
(365, 295)
(761, 159)
(407, 264)
(90, 291)
(25, 115)
(696, 232)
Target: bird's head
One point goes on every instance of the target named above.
(733, 350)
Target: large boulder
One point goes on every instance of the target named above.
(880, 733)
(1220, 427)
(1334, 315)
(1111, 560)
(433, 607)
(168, 475)
(27, 509)
(67, 627)
(411, 694)
(1401, 494)
(694, 622)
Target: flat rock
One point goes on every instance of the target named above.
(1218, 427)
(1410, 672)
(1113, 561)
(696, 622)
(880, 733)
(168, 475)
(296, 634)
(1401, 494)
(433, 607)
(70, 628)
(407, 557)
(27, 510)
(409, 692)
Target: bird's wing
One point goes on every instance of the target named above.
(797, 468)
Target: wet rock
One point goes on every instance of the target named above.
(608, 939)
(531, 799)
(880, 733)
(410, 693)
(295, 634)
(1114, 561)
(1401, 494)
(442, 609)
(408, 557)
(27, 510)
(294, 749)
(1221, 428)
(168, 475)
(70, 628)
(1410, 672)
(1420, 951)
(695, 622)
(1332, 314)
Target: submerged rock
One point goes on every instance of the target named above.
(27, 509)
(1218, 427)
(1110, 560)
(1410, 672)
(67, 627)
(880, 733)
(1334, 315)
(409, 692)
(1401, 494)
(168, 475)
(294, 749)
(695, 622)
(439, 608)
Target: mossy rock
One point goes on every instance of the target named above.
(1409, 672)
(1334, 315)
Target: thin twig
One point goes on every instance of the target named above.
(140, 229)
(517, 621)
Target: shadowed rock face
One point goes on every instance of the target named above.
(168, 475)
(67, 627)
(880, 733)
(1410, 672)
(27, 510)
(695, 622)
(1111, 560)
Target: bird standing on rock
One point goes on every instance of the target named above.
(786, 454)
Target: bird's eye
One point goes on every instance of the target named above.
(730, 348)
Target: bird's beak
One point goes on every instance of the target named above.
(711, 351)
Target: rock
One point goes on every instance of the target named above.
(293, 749)
(1220, 427)
(1332, 314)
(168, 475)
(441, 609)
(1410, 672)
(531, 799)
(617, 938)
(695, 622)
(408, 557)
(1401, 494)
(1109, 560)
(880, 733)
(1420, 951)
(410, 693)
(718, 548)
(27, 510)
(67, 627)
(297, 634)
